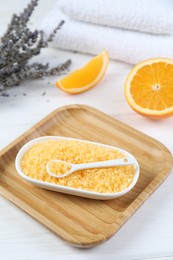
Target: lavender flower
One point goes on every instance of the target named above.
(18, 45)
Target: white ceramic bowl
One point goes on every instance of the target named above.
(69, 190)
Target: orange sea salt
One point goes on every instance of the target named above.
(59, 168)
(106, 180)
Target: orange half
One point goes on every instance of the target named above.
(86, 77)
(149, 88)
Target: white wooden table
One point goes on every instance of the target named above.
(149, 232)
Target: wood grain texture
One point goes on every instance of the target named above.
(79, 221)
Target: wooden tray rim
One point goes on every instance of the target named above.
(137, 202)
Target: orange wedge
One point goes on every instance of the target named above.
(86, 77)
(149, 88)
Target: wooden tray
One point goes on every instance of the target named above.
(79, 221)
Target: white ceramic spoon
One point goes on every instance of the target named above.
(83, 166)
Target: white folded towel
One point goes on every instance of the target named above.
(155, 16)
(125, 45)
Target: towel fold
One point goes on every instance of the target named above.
(124, 45)
(119, 26)
(153, 16)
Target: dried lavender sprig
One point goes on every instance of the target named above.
(29, 52)
(13, 49)
(61, 67)
(37, 66)
(19, 45)
(52, 35)
(22, 59)
(9, 70)
(16, 68)
(22, 19)
(34, 71)
(17, 37)
(44, 73)
(16, 56)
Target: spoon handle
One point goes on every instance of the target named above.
(104, 164)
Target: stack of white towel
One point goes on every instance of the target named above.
(131, 30)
